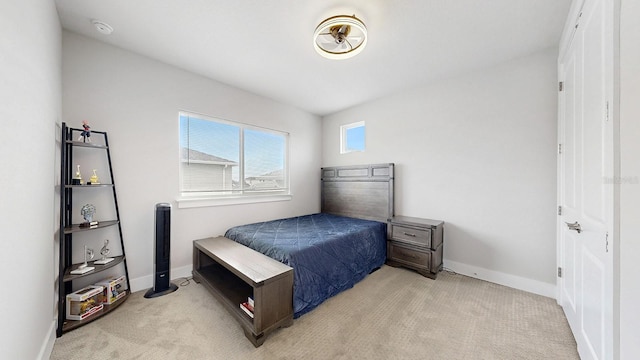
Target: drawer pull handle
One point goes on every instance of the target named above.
(409, 234)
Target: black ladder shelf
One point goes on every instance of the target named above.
(73, 139)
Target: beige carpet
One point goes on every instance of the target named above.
(392, 314)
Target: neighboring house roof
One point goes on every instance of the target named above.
(198, 157)
(276, 174)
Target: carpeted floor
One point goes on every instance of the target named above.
(392, 314)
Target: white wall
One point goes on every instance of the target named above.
(136, 100)
(477, 151)
(30, 107)
(630, 178)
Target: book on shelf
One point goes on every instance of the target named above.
(248, 309)
(249, 306)
(250, 301)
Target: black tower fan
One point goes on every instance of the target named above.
(161, 282)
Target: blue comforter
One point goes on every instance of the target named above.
(328, 253)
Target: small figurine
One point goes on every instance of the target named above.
(87, 212)
(85, 135)
(94, 178)
(84, 267)
(86, 305)
(104, 252)
(77, 180)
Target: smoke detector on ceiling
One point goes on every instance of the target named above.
(102, 27)
(340, 37)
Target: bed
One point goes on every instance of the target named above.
(332, 250)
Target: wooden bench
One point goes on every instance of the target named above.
(232, 272)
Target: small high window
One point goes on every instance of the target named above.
(352, 137)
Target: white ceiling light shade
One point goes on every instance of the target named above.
(340, 37)
(102, 27)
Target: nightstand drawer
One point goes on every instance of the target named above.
(409, 256)
(420, 237)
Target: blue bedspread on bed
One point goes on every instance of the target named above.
(328, 253)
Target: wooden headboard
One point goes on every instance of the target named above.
(359, 191)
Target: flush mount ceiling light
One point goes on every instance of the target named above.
(102, 27)
(340, 37)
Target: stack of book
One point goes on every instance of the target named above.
(247, 306)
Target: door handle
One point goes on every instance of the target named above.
(574, 226)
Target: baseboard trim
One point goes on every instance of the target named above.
(513, 281)
(47, 346)
(146, 282)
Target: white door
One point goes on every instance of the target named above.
(585, 182)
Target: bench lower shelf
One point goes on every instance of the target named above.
(233, 272)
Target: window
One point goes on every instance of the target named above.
(220, 158)
(352, 137)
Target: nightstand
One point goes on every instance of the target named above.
(416, 244)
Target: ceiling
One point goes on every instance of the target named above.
(266, 47)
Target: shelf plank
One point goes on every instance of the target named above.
(87, 186)
(68, 276)
(69, 325)
(76, 227)
(86, 144)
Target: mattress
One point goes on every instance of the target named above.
(328, 253)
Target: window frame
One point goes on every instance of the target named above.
(343, 137)
(243, 196)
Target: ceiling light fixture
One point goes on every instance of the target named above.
(340, 37)
(102, 27)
